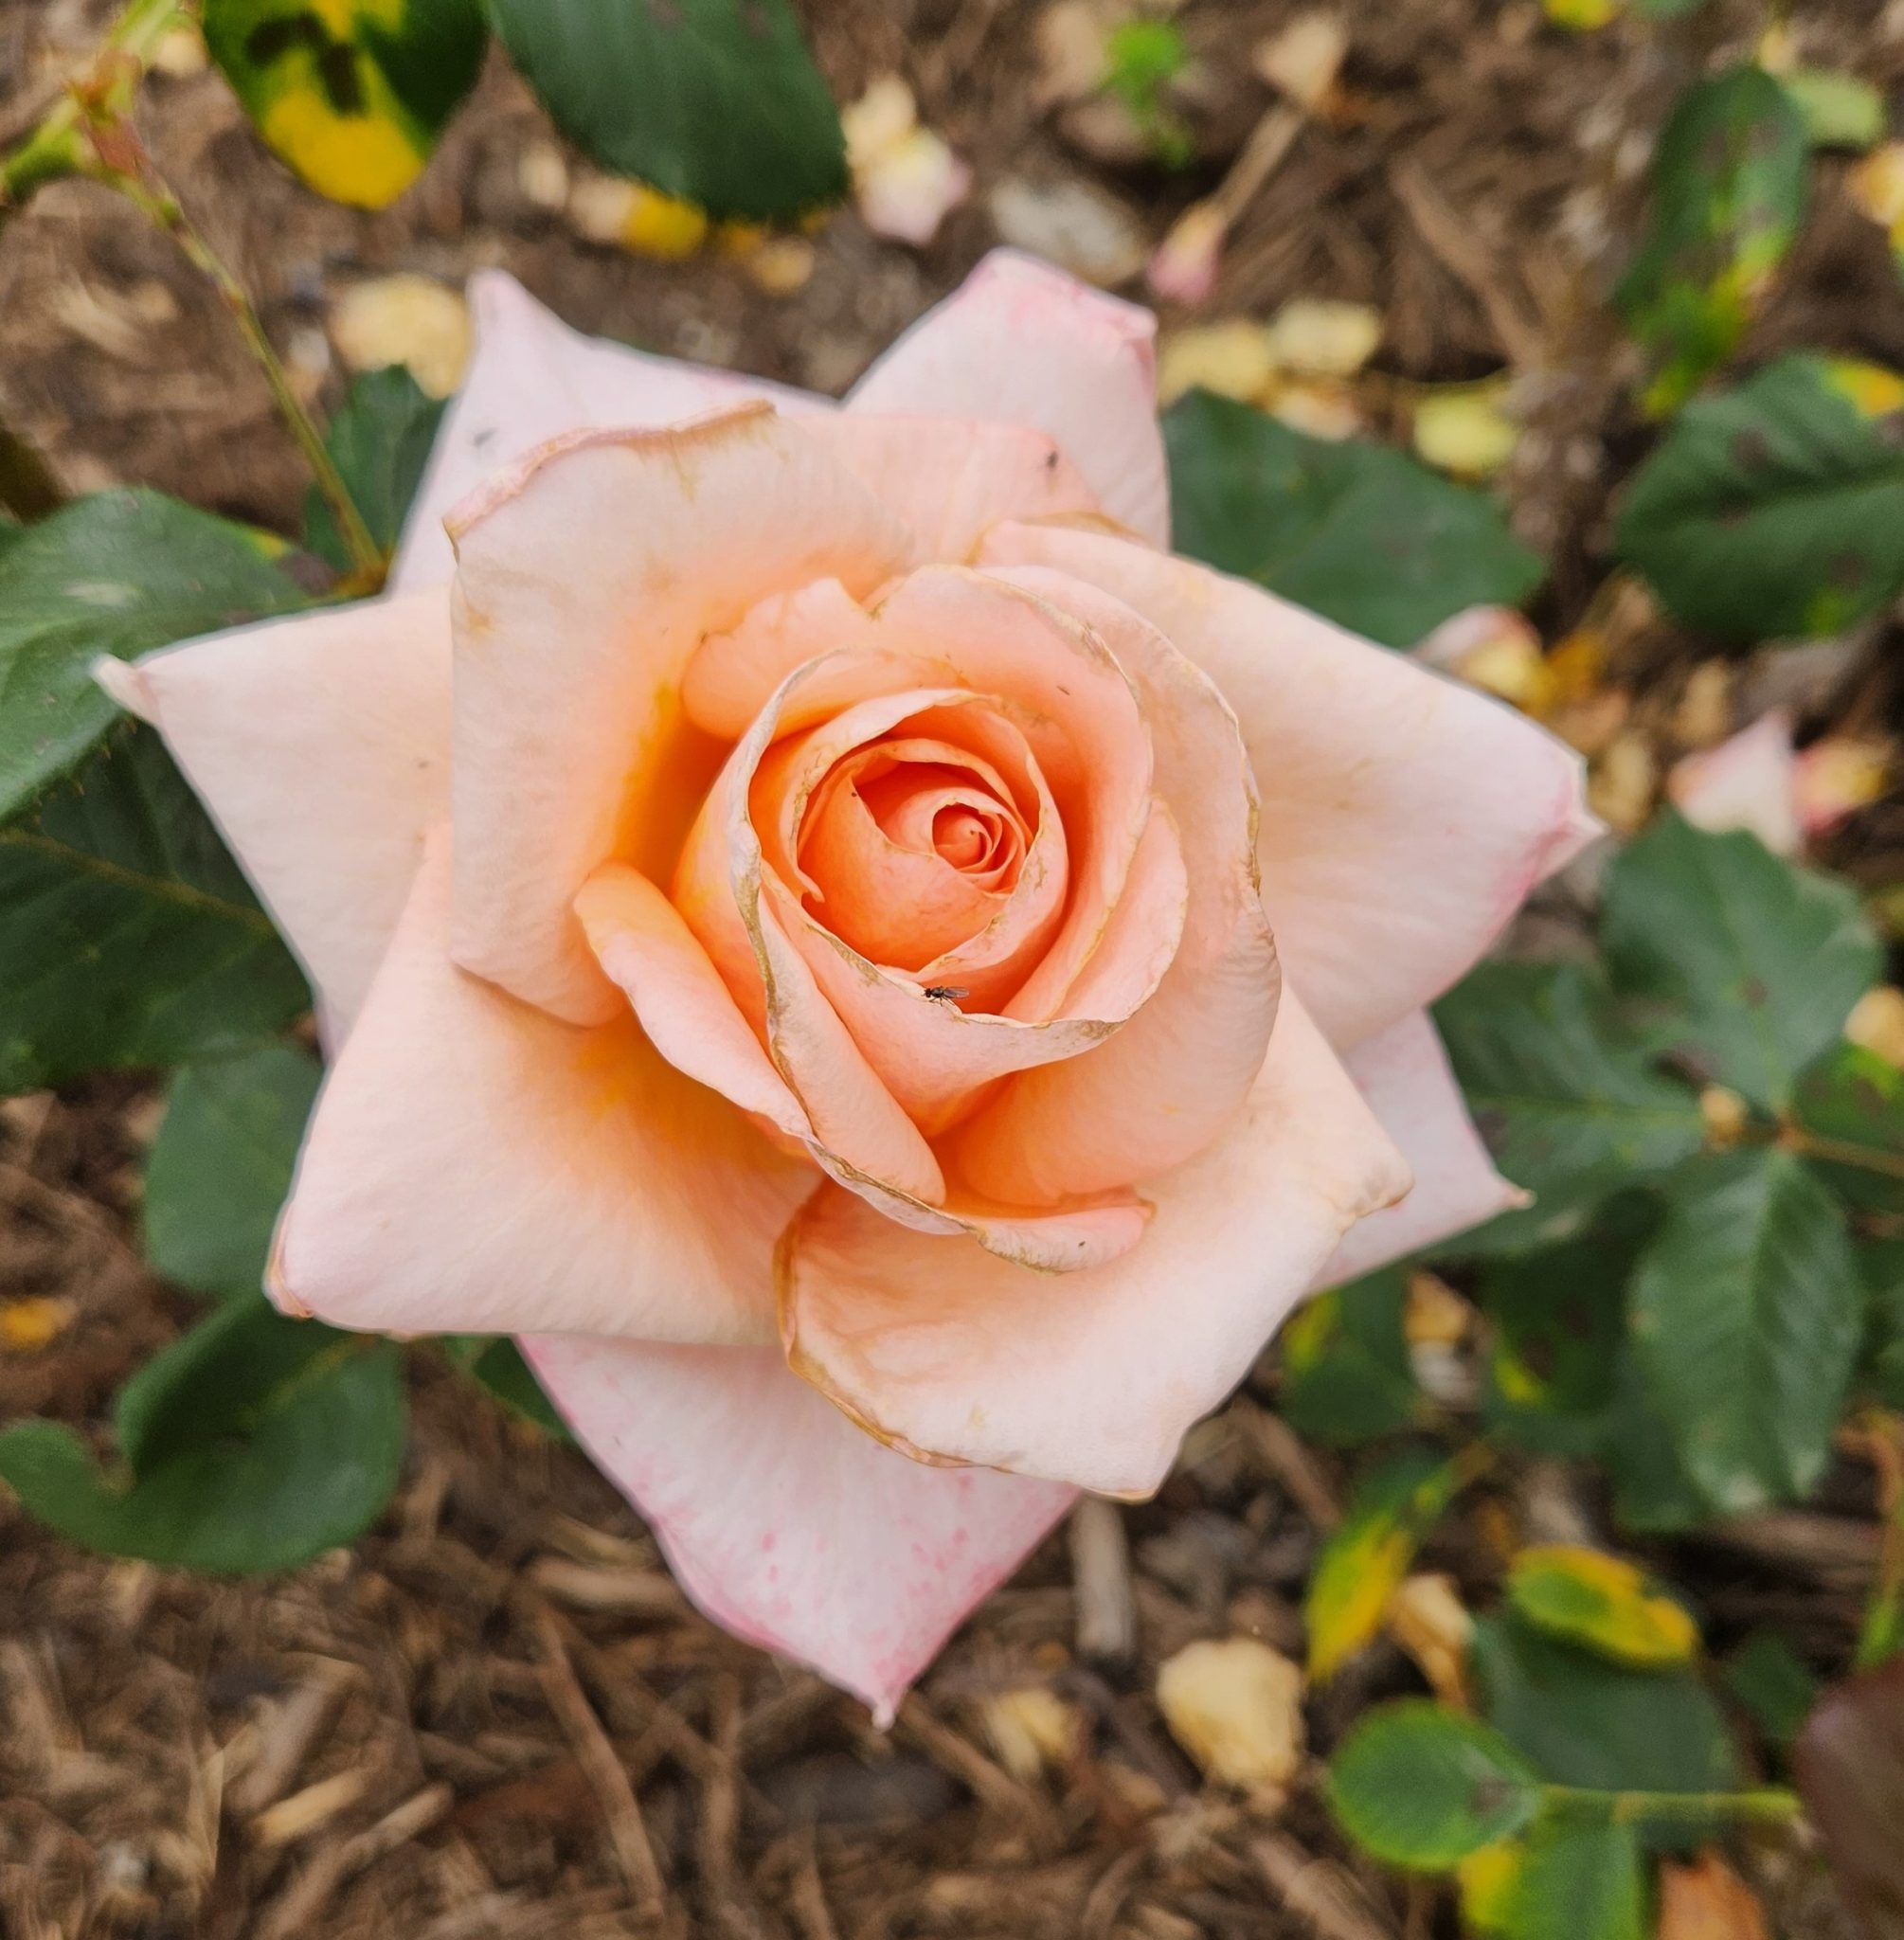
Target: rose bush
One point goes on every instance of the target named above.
(890, 982)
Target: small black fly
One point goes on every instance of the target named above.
(946, 993)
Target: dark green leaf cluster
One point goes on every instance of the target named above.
(1687, 1309)
(1358, 532)
(132, 940)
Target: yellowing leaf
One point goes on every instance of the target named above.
(1368, 1557)
(632, 216)
(1487, 1880)
(28, 1326)
(1876, 185)
(1873, 390)
(1603, 1601)
(352, 94)
(1583, 15)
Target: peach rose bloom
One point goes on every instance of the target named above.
(892, 984)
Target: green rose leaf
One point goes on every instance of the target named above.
(352, 95)
(219, 1168)
(380, 441)
(1838, 110)
(1580, 1720)
(1603, 1603)
(1777, 509)
(1361, 534)
(1422, 1786)
(130, 938)
(1752, 962)
(1850, 1109)
(1568, 1104)
(1346, 1373)
(1577, 1882)
(1773, 1685)
(1729, 183)
(1558, 1320)
(119, 574)
(1652, 1493)
(1880, 1265)
(254, 1442)
(1746, 1314)
(717, 102)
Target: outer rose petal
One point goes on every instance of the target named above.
(951, 478)
(1094, 1377)
(531, 379)
(1405, 815)
(321, 745)
(586, 576)
(473, 1165)
(1158, 1091)
(782, 1521)
(1021, 342)
(1403, 1074)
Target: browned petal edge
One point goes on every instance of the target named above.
(1100, 522)
(679, 441)
(806, 1368)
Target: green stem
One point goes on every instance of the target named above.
(88, 132)
(150, 192)
(57, 145)
(1766, 1806)
(1842, 1152)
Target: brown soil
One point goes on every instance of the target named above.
(420, 1737)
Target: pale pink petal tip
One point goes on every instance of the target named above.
(783, 1522)
(1747, 782)
(124, 683)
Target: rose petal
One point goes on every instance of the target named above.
(1080, 714)
(782, 1521)
(642, 944)
(1093, 1378)
(864, 1136)
(1159, 1090)
(586, 576)
(1405, 817)
(1403, 1074)
(936, 1059)
(1747, 782)
(1021, 342)
(732, 676)
(532, 378)
(475, 1166)
(321, 746)
(951, 478)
